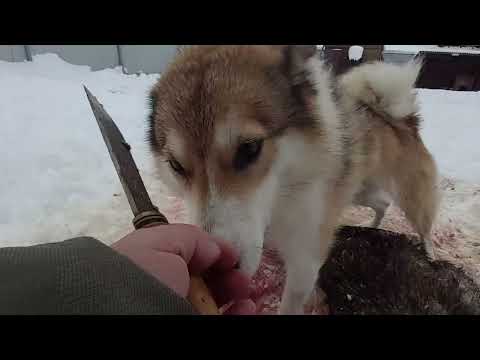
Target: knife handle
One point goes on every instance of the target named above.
(199, 295)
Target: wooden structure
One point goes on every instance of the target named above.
(337, 56)
(450, 71)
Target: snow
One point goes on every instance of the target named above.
(451, 130)
(414, 49)
(355, 52)
(57, 179)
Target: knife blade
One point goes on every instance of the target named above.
(145, 213)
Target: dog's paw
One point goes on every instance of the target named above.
(430, 250)
(367, 224)
(317, 303)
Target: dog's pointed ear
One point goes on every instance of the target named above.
(294, 67)
(182, 48)
(295, 58)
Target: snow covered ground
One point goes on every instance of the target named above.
(57, 180)
(416, 48)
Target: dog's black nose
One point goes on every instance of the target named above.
(237, 265)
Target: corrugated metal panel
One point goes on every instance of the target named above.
(396, 57)
(146, 58)
(12, 53)
(450, 71)
(96, 56)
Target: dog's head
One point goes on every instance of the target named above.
(218, 115)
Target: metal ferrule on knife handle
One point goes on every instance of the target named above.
(149, 218)
(198, 294)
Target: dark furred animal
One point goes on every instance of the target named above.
(377, 272)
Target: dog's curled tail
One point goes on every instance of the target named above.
(387, 89)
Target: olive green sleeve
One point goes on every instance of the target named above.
(80, 276)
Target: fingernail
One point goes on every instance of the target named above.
(212, 248)
(243, 307)
(251, 306)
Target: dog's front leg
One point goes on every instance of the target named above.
(302, 267)
(303, 236)
(300, 284)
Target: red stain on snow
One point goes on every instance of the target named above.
(268, 283)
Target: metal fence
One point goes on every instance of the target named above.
(132, 58)
(397, 57)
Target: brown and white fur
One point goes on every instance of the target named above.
(262, 139)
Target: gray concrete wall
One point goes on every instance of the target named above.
(134, 58)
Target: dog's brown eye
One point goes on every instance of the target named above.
(247, 154)
(177, 167)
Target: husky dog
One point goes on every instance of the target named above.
(262, 139)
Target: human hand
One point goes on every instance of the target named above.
(171, 253)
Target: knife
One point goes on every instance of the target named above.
(145, 213)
